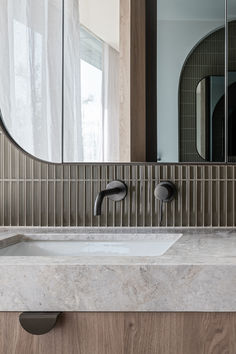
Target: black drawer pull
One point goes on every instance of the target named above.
(38, 323)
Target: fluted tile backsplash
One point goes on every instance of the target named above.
(40, 194)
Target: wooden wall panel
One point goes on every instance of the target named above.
(133, 80)
(138, 81)
(125, 87)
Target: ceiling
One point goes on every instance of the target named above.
(102, 17)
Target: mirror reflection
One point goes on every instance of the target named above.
(91, 82)
(192, 104)
(59, 92)
(190, 46)
(210, 114)
(30, 72)
(82, 80)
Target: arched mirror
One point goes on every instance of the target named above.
(103, 81)
(59, 73)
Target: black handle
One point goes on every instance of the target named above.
(38, 323)
(164, 192)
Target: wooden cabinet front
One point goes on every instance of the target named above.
(124, 333)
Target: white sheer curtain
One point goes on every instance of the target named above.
(91, 94)
(31, 75)
(72, 134)
(111, 104)
(33, 71)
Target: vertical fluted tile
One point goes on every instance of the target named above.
(2, 205)
(14, 204)
(36, 203)
(148, 202)
(101, 220)
(223, 204)
(6, 167)
(29, 203)
(44, 170)
(22, 203)
(185, 204)
(7, 203)
(177, 205)
(139, 200)
(58, 203)
(15, 164)
(230, 203)
(218, 200)
(87, 200)
(40, 194)
(133, 198)
(51, 202)
(97, 187)
(233, 196)
(44, 204)
(198, 202)
(81, 204)
(207, 204)
(66, 203)
(214, 203)
(50, 172)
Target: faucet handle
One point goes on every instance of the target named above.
(165, 192)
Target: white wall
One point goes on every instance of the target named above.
(176, 38)
(102, 17)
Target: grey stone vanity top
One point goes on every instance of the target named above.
(198, 273)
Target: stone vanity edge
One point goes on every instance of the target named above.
(197, 274)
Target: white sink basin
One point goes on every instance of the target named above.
(142, 247)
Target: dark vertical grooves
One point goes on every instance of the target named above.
(151, 80)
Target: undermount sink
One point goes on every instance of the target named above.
(141, 247)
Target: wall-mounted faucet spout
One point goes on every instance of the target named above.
(116, 191)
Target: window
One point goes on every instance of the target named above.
(91, 53)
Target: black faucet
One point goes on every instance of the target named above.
(116, 191)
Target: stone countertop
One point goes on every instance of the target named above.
(198, 273)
